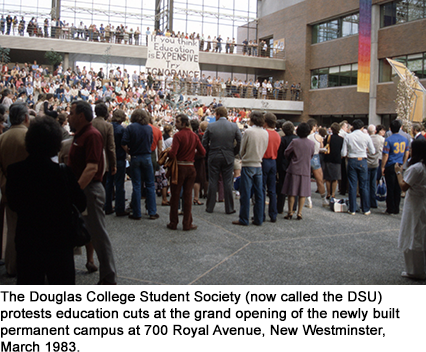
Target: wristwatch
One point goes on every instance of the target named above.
(398, 173)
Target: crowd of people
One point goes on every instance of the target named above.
(209, 152)
(122, 34)
(160, 94)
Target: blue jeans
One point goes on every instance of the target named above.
(372, 179)
(269, 170)
(118, 181)
(251, 177)
(276, 93)
(141, 169)
(358, 172)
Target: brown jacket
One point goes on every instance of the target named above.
(12, 150)
(170, 164)
(107, 131)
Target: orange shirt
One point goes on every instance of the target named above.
(156, 137)
(274, 142)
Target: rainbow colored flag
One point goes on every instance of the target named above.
(364, 46)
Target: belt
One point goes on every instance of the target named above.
(189, 163)
(358, 158)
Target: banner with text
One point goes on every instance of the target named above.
(173, 56)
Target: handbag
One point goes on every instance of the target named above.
(339, 205)
(79, 235)
(381, 190)
(327, 146)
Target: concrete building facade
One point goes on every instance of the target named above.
(321, 50)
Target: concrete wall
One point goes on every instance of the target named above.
(268, 7)
(290, 24)
(294, 23)
(337, 101)
(402, 39)
(275, 106)
(334, 52)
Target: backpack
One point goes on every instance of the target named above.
(381, 190)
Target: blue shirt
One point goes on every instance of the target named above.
(118, 136)
(395, 146)
(211, 119)
(138, 139)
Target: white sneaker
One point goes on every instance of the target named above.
(367, 213)
(308, 203)
(325, 203)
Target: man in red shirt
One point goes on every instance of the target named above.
(269, 166)
(185, 144)
(87, 163)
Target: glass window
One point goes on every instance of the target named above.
(333, 77)
(346, 27)
(320, 33)
(355, 23)
(415, 9)
(401, 12)
(323, 78)
(388, 14)
(415, 64)
(314, 79)
(402, 59)
(336, 76)
(350, 25)
(333, 30)
(354, 75)
(385, 71)
(345, 75)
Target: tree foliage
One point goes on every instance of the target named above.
(54, 58)
(4, 55)
(405, 98)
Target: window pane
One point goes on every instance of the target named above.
(388, 14)
(314, 79)
(345, 75)
(401, 12)
(350, 25)
(385, 71)
(402, 59)
(346, 27)
(355, 23)
(333, 29)
(322, 32)
(415, 64)
(315, 34)
(323, 81)
(354, 75)
(415, 9)
(424, 68)
(333, 77)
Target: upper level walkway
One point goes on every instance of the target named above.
(81, 50)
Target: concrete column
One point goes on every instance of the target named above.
(56, 9)
(170, 15)
(66, 62)
(373, 118)
(157, 13)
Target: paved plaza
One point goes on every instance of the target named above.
(325, 248)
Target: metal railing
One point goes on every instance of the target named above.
(134, 38)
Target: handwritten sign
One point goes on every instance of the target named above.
(173, 56)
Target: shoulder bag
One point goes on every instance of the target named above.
(77, 229)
